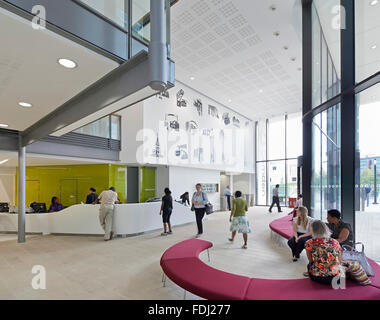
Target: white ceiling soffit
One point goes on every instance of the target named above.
(44, 160)
(29, 71)
(230, 51)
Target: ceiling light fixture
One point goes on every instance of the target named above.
(67, 63)
(192, 78)
(374, 2)
(3, 125)
(374, 47)
(4, 161)
(276, 34)
(293, 59)
(286, 47)
(25, 104)
(229, 100)
(272, 8)
(261, 91)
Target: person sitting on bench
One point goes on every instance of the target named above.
(340, 230)
(301, 232)
(298, 204)
(324, 255)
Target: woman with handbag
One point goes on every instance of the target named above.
(199, 202)
(239, 222)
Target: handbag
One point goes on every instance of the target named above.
(350, 253)
(209, 207)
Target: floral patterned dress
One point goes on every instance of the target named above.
(325, 255)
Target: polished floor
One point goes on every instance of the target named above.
(88, 268)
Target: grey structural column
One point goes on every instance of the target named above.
(307, 100)
(158, 45)
(348, 113)
(21, 191)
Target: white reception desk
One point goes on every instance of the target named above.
(129, 219)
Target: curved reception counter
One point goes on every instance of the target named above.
(129, 219)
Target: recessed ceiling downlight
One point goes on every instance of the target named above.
(25, 104)
(374, 2)
(374, 47)
(3, 125)
(67, 63)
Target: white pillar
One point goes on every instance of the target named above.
(21, 192)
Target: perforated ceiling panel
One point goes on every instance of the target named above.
(230, 49)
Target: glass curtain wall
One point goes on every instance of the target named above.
(278, 145)
(108, 127)
(345, 84)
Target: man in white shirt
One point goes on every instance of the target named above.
(107, 200)
(276, 199)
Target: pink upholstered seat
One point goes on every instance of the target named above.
(186, 249)
(283, 226)
(182, 265)
(305, 289)
(204, 281)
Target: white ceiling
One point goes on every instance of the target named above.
(29, 71)
(229, 48)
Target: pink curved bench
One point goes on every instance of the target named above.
(182, 265)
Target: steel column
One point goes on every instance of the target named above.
(307, 56)
(348, 114)
(21, 191)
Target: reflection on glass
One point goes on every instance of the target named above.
(115, 127)
(294, 136)
(291, 186)
(261, 141)
(261, 176)
(325, 185)
(103, 128)
(368, 171)
(276, 138)
(325, 50)
(141, 19)
(114, 10)
(276, 171)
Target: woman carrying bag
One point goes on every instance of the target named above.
(199, 202)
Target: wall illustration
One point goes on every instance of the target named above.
(181, 102)
(199, 106)
(213, 111)
(183, 136)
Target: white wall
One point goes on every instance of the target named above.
(132, 122)
(183, 179)
(162, 180)
(8, 185)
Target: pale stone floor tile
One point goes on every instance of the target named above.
(86, 267)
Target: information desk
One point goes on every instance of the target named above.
(129, 219)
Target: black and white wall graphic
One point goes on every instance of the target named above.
(186, 135)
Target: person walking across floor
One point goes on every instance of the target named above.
(107, 201)
(199, 202)
(301, 232)
(166, 211)
(275, 199)
(238, 219)
(227, 194)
